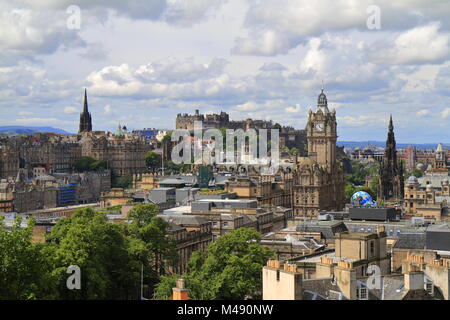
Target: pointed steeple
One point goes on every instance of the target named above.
(391, 170)
(85, 117)
(85, 106)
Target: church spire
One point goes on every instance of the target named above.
(85, 117)
(85, 106)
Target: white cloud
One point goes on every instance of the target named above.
(248, 106)
(186, 13)
(295, 109)
(276, 26)
(422, 113)
(25, 32)
(445, 113)
(170, 77)
(423, 44)
(136, 9)
(70, 110)
(107, 110)
(25, 113)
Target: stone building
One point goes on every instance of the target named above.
(439, 165)
(414, 158)
(53, 152)
(336, 273)
(319, 177)
(124, 153)
(273, 190)
(429, 202)
(390, 177)
(289, 136)
(9, 161)
(192, 233)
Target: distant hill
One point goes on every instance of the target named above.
(14, 130)
(362, 144)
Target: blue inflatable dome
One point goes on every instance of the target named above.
(362, 197)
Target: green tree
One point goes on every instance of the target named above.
(349, 190)
(23, 270)
(294, 151)
(153, 160)
(125, 181)
(277, 126)
(101, 251)
(415, 172)
(229, 269)
(90, 164)
(151, 243)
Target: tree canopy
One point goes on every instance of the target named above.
(90, 164)
(229, 269)
(110, 256)
(153, 160)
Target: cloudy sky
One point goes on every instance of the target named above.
(144, 61)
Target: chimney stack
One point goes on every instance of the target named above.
(179, 292)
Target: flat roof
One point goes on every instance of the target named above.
(227, 200)
(178, 210)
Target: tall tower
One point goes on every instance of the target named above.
(85, 117)
(321, 133)
(390, 183)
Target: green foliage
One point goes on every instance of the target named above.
(277, 126)
(23, 270)
(110, 256)
(152, 246)
(294, 151)
(173, 168)
(153, 160)
(166, 139)
(90, 164)
(230, 269)
(100, 249)
(350, 189)
(416, 172)
(357, 175)
(125, 181)
(356, 179)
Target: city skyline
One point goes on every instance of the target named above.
(143, 65)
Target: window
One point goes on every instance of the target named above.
(429, 287)
(361, 293)
(372, 248)
(278, 275)
(225, 224)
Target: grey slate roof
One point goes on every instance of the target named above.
(411, 240)
(327, 228)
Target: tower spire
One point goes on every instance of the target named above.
(85, 106)
(85, 116)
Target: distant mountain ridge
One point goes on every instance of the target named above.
(14, 130)
(363, 144)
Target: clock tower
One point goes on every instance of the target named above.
(322, 134)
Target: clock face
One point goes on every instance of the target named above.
(319, 126)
